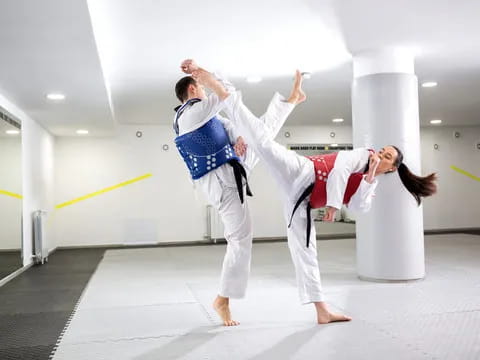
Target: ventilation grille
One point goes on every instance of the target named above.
(9, 120)
(320, 147)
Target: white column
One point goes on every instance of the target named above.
(390, 244)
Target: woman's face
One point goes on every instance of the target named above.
(387, 155)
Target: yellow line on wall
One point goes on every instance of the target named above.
(125, 183)
(8, 193)
(465, 173)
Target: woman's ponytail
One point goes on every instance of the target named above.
(418, 186)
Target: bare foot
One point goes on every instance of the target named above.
(324, 316)
(301, 97)
(188, 66)
(297, 95)
(221, 306)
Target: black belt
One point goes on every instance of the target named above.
(239, 172)
(302, 197)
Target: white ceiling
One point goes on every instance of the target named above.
(49, 45)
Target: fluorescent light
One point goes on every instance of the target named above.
(334, 145)
(337, 120)
(82, 132)
(254, 79)
(56, 96)
(436, 121)
(12, 132)
(429, 84)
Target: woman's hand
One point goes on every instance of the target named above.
(330, 214)
(373, 163)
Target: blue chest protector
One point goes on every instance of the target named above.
(205, 148)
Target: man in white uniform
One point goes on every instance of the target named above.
(219, 181)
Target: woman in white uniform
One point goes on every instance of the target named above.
(346, 177)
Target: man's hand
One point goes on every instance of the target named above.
(240, 147)
(207, 79)
(204, 77)
(330, 214)
(188, 66)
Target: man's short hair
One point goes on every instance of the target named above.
(181, 88)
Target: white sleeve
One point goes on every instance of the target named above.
(361, 200)
(226, 84)
(346, 163)
(230, 128)
(210, 107)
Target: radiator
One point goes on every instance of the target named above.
(208, 235)
(40, 250)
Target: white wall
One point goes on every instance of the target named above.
(11, 181)
(457, 203)
(162, 208)
(37, 173)
(165, 207)
(159, 208)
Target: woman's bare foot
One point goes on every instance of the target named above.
(324, 316)
(301, 97)
(221, 306)
(297, 95)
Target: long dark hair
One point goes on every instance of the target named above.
(418, 186)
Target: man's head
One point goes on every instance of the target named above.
(188, 88)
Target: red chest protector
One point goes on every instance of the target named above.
(323, 165)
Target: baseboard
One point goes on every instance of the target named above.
(450, 231)
(13, 275)
(139, 246)
(222, 241)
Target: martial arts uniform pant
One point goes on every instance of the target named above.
(236, 216)
(293, 174)
(238, 231)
